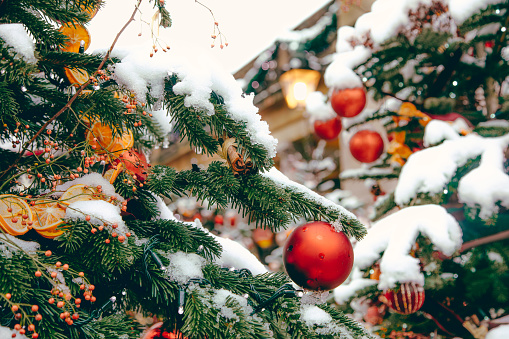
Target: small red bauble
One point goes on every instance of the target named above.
(406, 299)
(328, 129)
(366, 146)
(135, 162)
(317, 257)
(219, 219)
(348, 102)
(156, 332)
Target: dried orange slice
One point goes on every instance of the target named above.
(113, 173)
(14, 214)
(51, 234)
(91, 11)
(123, 143)
(47, 216)
(101, 136)
(76, 33)
(76, 77)
(79, 192)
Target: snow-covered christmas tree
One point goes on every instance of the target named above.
(435, 75)
(87, 243)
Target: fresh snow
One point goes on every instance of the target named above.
(10, 244)
(16, 36)
(7, 333)
(356, 282)
(437, 131)
(395, 235)
(463, 9)
(184, 266)
(500, 332)
(198, 78)
(431, 169)
(318, 108)
(236, 256)
(92, 180)
(101, 213)
(285, 182)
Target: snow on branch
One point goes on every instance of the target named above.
(430, 170)
(346, 220)
(391, 239)
(198, 79)
(16, 36)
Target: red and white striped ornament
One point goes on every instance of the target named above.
(405, 299)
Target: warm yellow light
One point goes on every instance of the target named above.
(296, 85)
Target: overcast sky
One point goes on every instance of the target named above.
(249, 26)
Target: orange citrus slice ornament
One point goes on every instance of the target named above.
(91, 11)
(47, 216)
(79, 192)
(76, 77)
(101, 136)
(51, 234)
(113, 173)
(14, 214)
(76, 33)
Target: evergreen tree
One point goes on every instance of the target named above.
(86, 239)
(434, 263)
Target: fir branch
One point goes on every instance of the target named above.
(75, 96)
(113, 326)
(161, 181)
(190, 123)
(38, 28)
(8, 104)
(202, 129)
(57, 13)
(92, 251)
(178, 236)
(71, 60)
(351, 325)
(198, 324)
(216, 184)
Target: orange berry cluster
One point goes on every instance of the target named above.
(114, 226)
(215, 34)
(155, 49)
(22, 316)
(17, 134)
(62, 299)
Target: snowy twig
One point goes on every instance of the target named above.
(73, 98)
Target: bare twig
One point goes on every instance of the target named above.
(483, 241)
(73, 98)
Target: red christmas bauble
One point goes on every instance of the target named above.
(348, 102)
(156, 332)
(135, 162)
(328, 129)
(405, 299)
(366, 146)
(317, 257)
(219, 219)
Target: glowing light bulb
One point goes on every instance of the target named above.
(300, 91)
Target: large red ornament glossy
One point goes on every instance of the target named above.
(366, 146)
(328, 129)
(317, 257)
(408, 298)
(348, 102)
